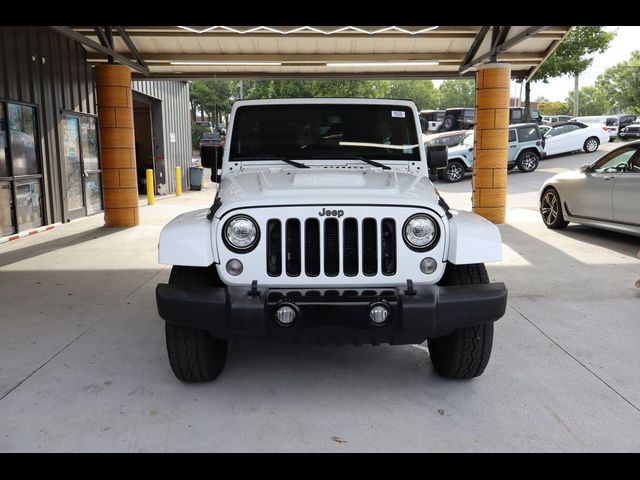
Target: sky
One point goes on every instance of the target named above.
(619, 50)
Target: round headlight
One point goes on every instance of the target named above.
(420, 232)
(241, 232)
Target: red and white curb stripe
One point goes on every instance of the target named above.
(27, 233)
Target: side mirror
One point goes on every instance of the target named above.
(211, 157)
(584, 168)
(437, 157)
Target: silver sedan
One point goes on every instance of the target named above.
(605, 194)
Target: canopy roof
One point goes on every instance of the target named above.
(189, 52)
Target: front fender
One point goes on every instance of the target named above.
(187, 240)
(473, 239)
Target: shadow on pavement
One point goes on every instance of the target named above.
(618, 242)
(24, 253)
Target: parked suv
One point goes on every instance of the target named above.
(430, 120)
(632, 130)
(516, 115)
(457, 119)
(327, 229)
(555, 118)
(526, 147)
(626, 120)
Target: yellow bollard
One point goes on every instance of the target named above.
(178, 181)
(151, 198)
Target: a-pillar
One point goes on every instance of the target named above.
(491, 141)
(117, 145)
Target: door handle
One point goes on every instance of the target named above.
(607, 178)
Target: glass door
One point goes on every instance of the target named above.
(21, 196)
(91, 173)
(82, 165)
(73, 167)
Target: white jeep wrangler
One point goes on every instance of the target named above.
(326, 228)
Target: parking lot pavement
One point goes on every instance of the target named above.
(83, 364)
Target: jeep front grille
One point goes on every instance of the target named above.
(331, 246)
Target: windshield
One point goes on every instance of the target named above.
(468, 140)
(325, 131)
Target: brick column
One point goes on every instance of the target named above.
(491, 141)
(117, 145)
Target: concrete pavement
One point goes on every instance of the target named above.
(83, 363)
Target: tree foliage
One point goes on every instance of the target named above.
(553, 108)
(423, 92)
(574, 54)
(621, 84)
(593, 101)
(216, 96)
(457, 93)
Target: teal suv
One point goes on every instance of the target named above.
(526, 148)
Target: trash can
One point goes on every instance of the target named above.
(195, 178)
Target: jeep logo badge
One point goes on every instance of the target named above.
(331, 213)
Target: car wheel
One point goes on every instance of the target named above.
(194, 355)
(528, 161)
(465, 352)
(591, 145)
(454, 172)
(551, 209)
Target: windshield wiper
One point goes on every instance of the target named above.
(373, 163)
(274, 157)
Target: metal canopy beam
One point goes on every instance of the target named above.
(129, 43)
(474, 47)
(547, 54)
(80, 38)
(505, 45)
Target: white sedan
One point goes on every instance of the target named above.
(571, 136)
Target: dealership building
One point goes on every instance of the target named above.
(57, 161)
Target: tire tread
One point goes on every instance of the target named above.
(465, 352)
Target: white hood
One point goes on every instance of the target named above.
(324, 186)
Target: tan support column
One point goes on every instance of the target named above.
(491, 141)
(117, 145)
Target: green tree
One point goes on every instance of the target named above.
(214, 97)
(593, 101)
(316, 88)
(574, 54)
(423, 92)
(621, 84)
(457, 93)
(553, 108)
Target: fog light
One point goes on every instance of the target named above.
(234, 267)
(379, 314)
(285, 315)
(428, 265)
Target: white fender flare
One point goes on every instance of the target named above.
(187, 240)
(473, 239)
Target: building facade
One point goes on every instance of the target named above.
(50, 169)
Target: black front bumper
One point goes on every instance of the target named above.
(333, 315)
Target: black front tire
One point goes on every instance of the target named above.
(194, 355)
(454, 172)
(465, 352)
(528, 161)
